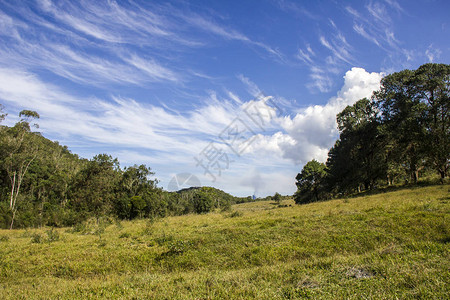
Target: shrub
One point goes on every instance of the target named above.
(52, 235)
(36, 238)
(277, 198)
(202, 203)
(79, 228)
(235, 214)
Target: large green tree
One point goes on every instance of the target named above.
(96, 185)
(309, 182)
(19, 149)
(414, 109)
(357, 160)
(403, 118)
(432, 85)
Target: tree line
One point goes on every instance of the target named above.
(44, 184)
(401, 132)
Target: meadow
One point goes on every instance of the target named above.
(394, 244)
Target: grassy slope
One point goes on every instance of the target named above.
(392, 245)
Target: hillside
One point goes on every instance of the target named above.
(389, 245)
(43, 184)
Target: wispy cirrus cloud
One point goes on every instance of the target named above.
(321, 79)
(116, 121)
(323, 68)
(106, 21)
(207, 25)
(358, 28)
(338, 47)
(375, 25)
(80, 67)
(306, 55)
(295, 8)
(133, 44)
(66, 52)
(432, 53)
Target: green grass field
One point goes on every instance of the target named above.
(384, 246)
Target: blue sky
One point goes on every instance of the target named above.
(240, 94)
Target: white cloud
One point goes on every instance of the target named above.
(107, 22)
(338, 51)
(378, 11)
(74, 64)
(123, 122)
(361, 31)
(294, 8)
(306, 56)
(208, 25)
(395, 5)
(377, 26)
(152, 68)
(156, 33)
(321, 80)
(252, 88)
(313, 131)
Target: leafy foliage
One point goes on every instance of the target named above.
(277, 198)
(309, 181)
(402, 131)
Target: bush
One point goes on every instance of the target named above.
(202, 203)
(52, 235)
(79, 228)
(277, 198)
(36, 238)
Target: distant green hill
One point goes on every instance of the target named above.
(223, 199)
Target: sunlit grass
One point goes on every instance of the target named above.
(389, 245)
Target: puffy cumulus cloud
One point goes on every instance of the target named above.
(312, 131)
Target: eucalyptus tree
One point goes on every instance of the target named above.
(19, 151)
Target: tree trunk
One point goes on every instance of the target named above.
(12, 219)
(415, 176)
(442, 173)
(16, 189)
(13, 185)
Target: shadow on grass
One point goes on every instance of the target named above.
(385, 189)
(395, 188)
